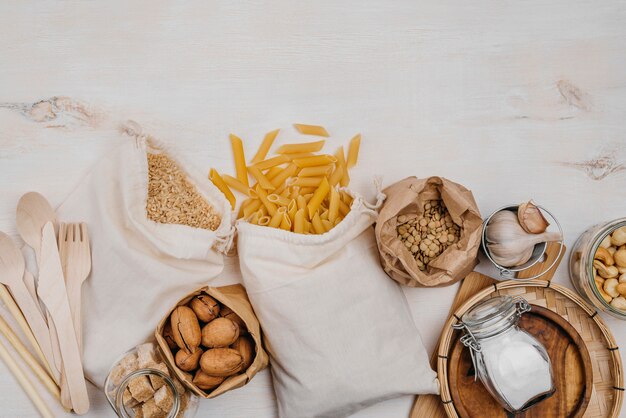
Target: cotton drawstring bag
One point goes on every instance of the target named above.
(140, 268)
(340, 333)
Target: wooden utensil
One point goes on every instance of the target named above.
(32, 213)
(24, 382)
(11, 274)
(76, 261)
(21, 349)
(430, 405)
(53, 293)
(571, 369)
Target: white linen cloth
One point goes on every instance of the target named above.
(140, 268)
(339, 331)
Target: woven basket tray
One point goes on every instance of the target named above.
(608, 382)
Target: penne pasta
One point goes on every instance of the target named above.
(333, 205)
(324, 215)
(285, 222)
(298, 224)
(300, 148)
(271, 207)
(341, 162)
(320, 170)
(233, 183)
(285, 193)
(254, 219)
(353, 151)
(307, 190)
(311, 129)
(284, 175)
(218, 181)
(294, 192)
(292, 208)
(278, 199)
(336, 176)
(315, 160)
(273, 172)
(265, 146)
(307, 197)
(301, 202)
(264, 220)
(263, 181)
(299, 155)
(314, 204)
(339, 219)
(306, 181)
(263, 210)
(240, 159)
(250, 206)
(317, 224)
(327, 225)
(271, 162)
(346, 198)
(343, 208)
(277, 218)
(307, 227)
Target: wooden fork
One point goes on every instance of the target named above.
(75, 256)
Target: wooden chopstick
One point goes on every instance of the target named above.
(21, 321)
(25, 383)
(21, 349)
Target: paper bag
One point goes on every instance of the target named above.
(407, 197)
(235, 298)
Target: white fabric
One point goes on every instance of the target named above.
(139, 268)
(339, 331)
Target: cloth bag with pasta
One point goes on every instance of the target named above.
(340, 334)
(140, 268)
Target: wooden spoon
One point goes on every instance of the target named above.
(11, 274)
(33, 211)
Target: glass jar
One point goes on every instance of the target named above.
(141, 373)
(512, 365)
(581, 265)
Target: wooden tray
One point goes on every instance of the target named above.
(606, 401)
(571, 366)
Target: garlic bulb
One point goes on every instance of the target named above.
(508, 244)
(531, 218)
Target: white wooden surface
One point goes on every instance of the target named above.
(512, 99)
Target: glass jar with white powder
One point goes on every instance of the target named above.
(512, 365)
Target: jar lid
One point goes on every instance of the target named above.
(491, 316)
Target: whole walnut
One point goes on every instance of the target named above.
(188, 361)
(221, 362)
(226, 312)
(207, 382)
(185, 328)
(221, 332)
(205, 307)
(245, 346)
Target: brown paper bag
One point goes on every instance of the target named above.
(407, 197)
(235, 298)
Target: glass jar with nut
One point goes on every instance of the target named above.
(141, 385)
(427, 235)
(598, 266)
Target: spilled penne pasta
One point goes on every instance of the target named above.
(298, 189)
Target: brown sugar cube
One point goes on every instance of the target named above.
(151, 410)
(146, 355)
(164, 398)
(141, 389)
(129, 363)
(128, 399)
(117, 374)
(138, 411)
(158, 381)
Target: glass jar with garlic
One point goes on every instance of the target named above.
(515, 238)
(598, 266)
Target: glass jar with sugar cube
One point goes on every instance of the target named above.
(141, 385)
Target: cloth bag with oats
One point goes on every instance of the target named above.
(141, 268)
(340, 334)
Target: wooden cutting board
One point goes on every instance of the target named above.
(571, 367)
(429, 406)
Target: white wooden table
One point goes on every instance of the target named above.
(515, 100)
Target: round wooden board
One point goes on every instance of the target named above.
(608, 380)
(571, 366)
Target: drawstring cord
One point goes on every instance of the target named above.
(225, 240)
(380, 196)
